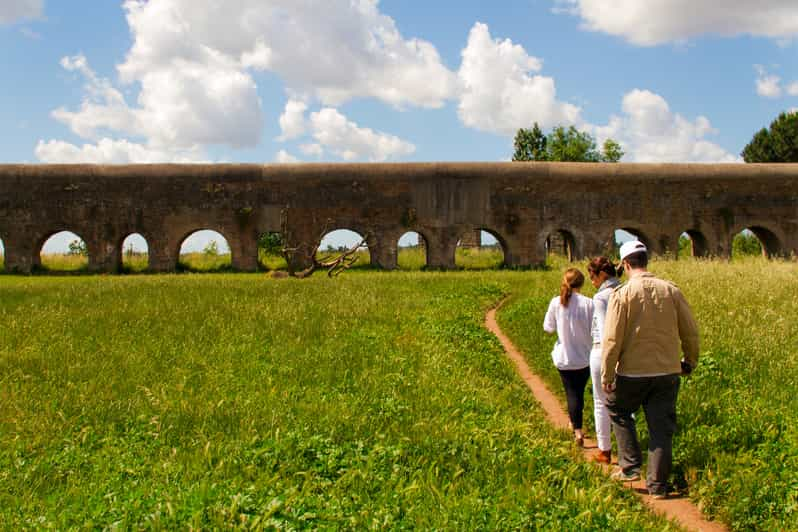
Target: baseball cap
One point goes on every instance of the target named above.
(633, 246)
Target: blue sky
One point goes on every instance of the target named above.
(395, 80)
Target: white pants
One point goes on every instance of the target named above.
(600, 412)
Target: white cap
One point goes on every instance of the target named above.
(633, 246)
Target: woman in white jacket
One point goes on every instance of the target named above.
(570, 316)
(604, 276)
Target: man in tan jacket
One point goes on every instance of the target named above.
(647, 321)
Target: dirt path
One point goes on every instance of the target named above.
(680, 510)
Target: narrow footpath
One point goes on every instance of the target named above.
(677, 509)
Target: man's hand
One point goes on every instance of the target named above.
(608, 388)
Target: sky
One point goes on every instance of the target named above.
(289, 81)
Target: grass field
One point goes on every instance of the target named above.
(374, 400)
(368, 401)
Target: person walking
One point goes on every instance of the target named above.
(604, 277)
(569, 316)
(647, 321)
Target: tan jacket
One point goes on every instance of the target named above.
(647, 319)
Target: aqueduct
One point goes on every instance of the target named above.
(520, 203)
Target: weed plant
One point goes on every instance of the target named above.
(736, 448)
(371, 400)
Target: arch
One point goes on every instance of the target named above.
(62, 251)
(561, 242)
(412, 251)
(693, 243)
(625, 233)
(270, 256)
(480, 248)
(134, 253)
(204, 250)
(342, 239)
(767, 243)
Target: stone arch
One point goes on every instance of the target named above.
(196, 253)
(568, 239)
(345, 237)
(627, 231)
(770, 239)
(62, 250)
(699, 245)
(410, 255)
(561, 241)
(134, 253)
(484, 252)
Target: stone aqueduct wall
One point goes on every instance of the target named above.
(519, 203)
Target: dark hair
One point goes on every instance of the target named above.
(571, 279)
(637, 260)
(602, 264)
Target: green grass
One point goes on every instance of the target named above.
(374, 400)
(737, 446)
(64, 262)
(484, 258)
(204, 262)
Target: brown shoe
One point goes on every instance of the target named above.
(579, 440)
(603, 457)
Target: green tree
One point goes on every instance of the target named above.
(211, 249)
(563, 144)
(78, 247)
(611, 151)
(530, 145)
(775, 144)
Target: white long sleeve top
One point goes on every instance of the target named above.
(572, 325)
(600, 302)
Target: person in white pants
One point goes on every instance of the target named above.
(604, 276)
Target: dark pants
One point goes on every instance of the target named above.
(574, 381)
(657, 396)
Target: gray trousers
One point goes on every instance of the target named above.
(657, 396)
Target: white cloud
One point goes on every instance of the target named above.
(767, 85)
(312, 149)
(500, 91)
(650, 132)
(653, 22)
(335, 50)
(12, 11)
(347, 140)
(109, 151)
(285, 157)
(792, 88)
(292, 121)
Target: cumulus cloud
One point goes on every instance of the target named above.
(192, 63)
(650, 132)
(334, 50)
(285, 157)
(501, 90)
(12, 11)
(110, 151)
(292, 121)
(767, 85)
(661, 21)
(336, 133)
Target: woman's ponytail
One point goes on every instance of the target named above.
(572, 279)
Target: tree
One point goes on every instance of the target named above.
(530, 145)
(78, 247)
(611, 151)
(776, 144)
(563, 145)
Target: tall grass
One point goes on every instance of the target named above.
(368, 401)
(64, 262)
(482, 258)
(737, 445)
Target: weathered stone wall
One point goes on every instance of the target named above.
(522, 204)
